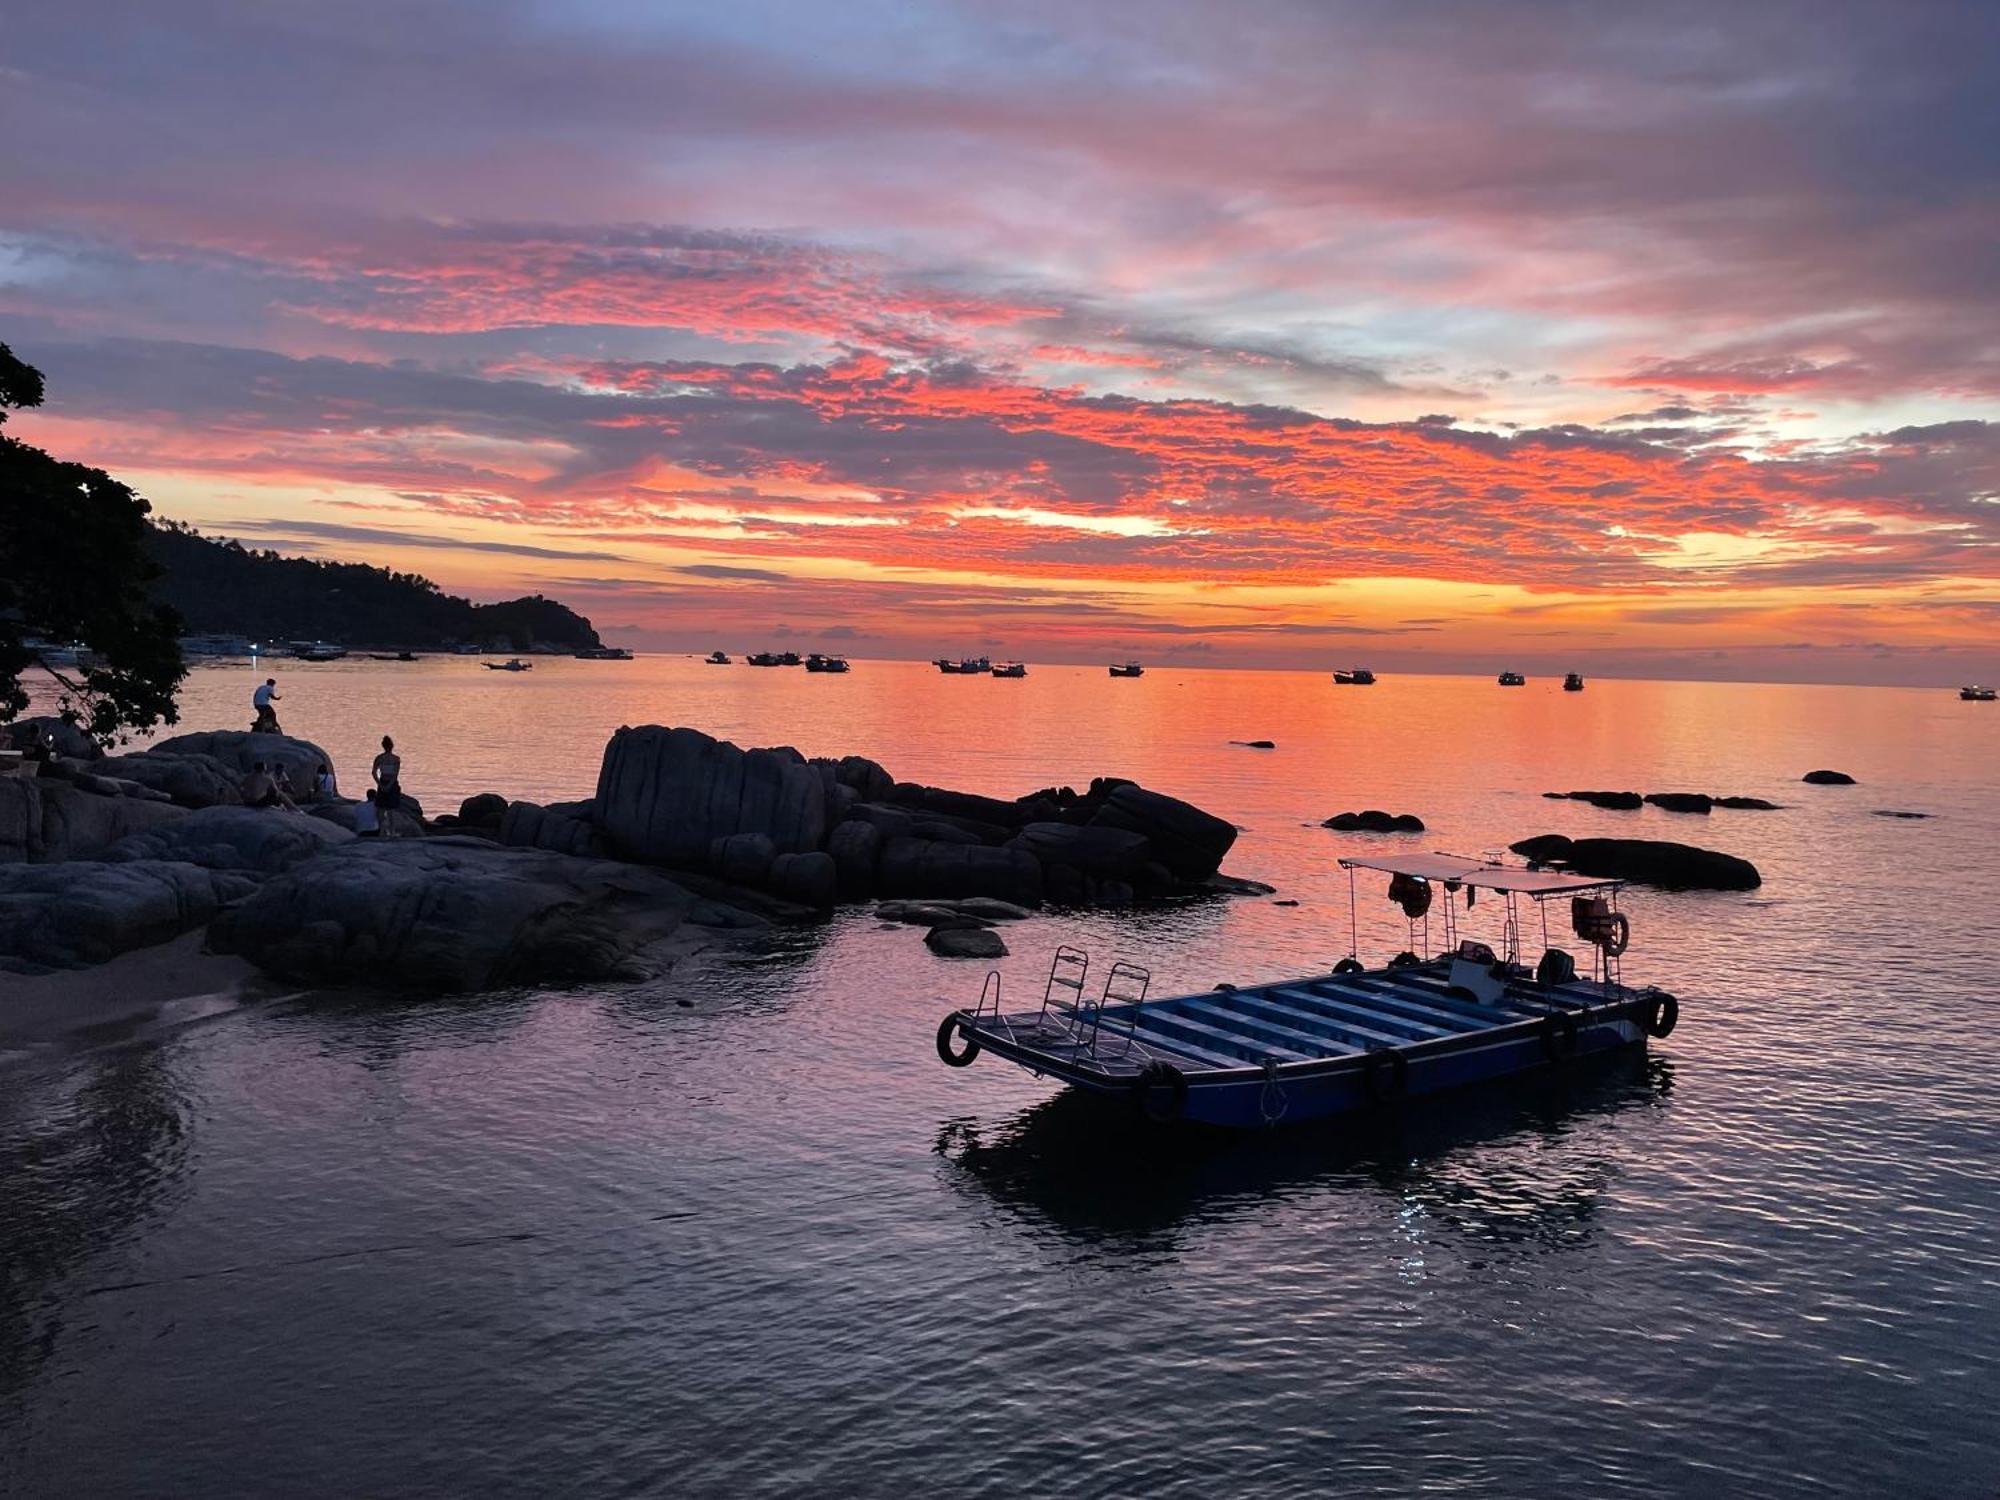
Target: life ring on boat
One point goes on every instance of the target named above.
(1161, 1090)
(954, 1024)
(1411, 893)
(1618, 935)
(1405, 960)
(1663, 1013)
(1559, 1035)
(1387, 1075)
(1348, 966)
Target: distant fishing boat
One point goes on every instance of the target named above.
(818, 663)
(317, 651)
(1127, 669)
(1573, 683)
(1976, 694)
(512, 664)
(211, 644)
(765, 659)
(1512, 679)
(1010, 669)
(1327, 1044)
(604, 653)
(717, 658)
(1355, 677)
(968, 666)
(399, 656)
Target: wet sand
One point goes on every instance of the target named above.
(134, 993)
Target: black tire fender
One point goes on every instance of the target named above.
(1348, 966)
(1663, 1013)
(1386, 1074)
(954, 1025)
(1161, 1091)
(1405, 960)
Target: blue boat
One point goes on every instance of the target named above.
(1354, 1038)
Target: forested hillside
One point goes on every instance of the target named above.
(225, 588)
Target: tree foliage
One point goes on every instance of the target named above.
(75, 567)
(229, 589)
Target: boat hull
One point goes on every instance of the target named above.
(1161, 1058)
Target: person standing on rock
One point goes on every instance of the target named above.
(267, 716)
(388, 773)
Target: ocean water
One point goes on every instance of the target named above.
(605, 1242)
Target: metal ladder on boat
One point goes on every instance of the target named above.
(1126, 984)
(1067, 971)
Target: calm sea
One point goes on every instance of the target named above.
(607, 1243)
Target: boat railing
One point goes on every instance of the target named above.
(1067, 971)
(988, 1008)
(1125, 985)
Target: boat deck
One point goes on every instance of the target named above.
(1314, 1019)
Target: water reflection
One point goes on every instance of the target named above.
(1093, 1172)
(87, 1156)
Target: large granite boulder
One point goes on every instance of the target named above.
(1648, 861)
(63, 737)
(46, 821)
(922, 867)
(71, 915)
(856, 848)
(258, 840)
(240, 749)
(1089, 848)
(1188, 841)
(965, 942)
(192, 780)
(1828, 778)
(668, 794)
(528, 825)
(462, 914)
(811, 879)
(482, 810)
(869, 781)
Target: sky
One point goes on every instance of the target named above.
(1652, 340)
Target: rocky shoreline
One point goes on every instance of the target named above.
(688, 838)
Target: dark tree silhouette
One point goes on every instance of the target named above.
(74, 566)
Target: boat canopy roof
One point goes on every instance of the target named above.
(1484, 874)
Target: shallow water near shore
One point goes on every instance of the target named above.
(603, 1242)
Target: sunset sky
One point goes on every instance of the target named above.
(1649, 339)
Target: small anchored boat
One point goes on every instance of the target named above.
(717, 658)
(1127, 669)
(604, 653)
(512, 664)
(1977, 694)
(1512, 679)
(1355, 677)
(765, 659)
(1010, 669)
(819, 663)
(1573, 683)
(1328, 1044)
(399, 656)
(968, 666)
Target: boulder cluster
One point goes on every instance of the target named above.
(1649, 861)
(1684, 802)
(99, 855)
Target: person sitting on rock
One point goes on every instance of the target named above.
(323, 787)
(260, 789)
(367, 820)
(388, 773)
(267, 716)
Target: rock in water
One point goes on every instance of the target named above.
(44, 821)
(1188, 841)
(1747, 804)
(255, 840)
(458, 914)
(1649, 861)
(1374, 820)
(71, 915)
(482, 810)
(965, 942)
(669, 794)
(1614, 801)
(1256, 744)
(1828, 778)
(240, 749)
(1681, 802)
